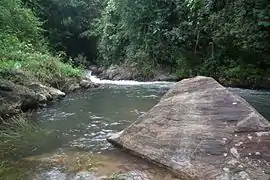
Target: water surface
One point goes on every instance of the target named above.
(82, 121)
(85, 119)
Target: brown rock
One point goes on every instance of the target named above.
(201, 130)
(15, 98)
(86, 83)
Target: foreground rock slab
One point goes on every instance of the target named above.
(201, 130)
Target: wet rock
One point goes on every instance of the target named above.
(93, 69)
(15, 98)
(86, 84)
(72, 87)
(131, 175)
(163, 76)
(73, 84)
(96, 70)
(49, 93)
(197, 128)
(129, 71)
(85, 176)
(58, 175)
(241, 176)
(115, 72)
(68, 85)
(51, 175)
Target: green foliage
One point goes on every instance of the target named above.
(41, 65)
(69, 71)
(19, 21)
(68, 25)
(22, 46)
(192, 37)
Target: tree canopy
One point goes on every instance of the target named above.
(225, 39)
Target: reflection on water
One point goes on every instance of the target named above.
(83, 120)
(86, 119)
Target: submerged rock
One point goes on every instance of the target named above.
(58, 175)
(86, 175)
(131, 175)
(51, 175)
(201, 130)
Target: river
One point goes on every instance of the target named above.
(83, 120)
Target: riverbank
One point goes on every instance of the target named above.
(22, 91)
(132, 72)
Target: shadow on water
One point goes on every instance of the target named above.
(83, 121)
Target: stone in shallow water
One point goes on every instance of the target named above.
(132, 175)
(51, 175)
(196, 128)
(58, 175)
(85, 176)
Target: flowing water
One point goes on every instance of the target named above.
(83, 120)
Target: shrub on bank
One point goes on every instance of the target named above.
(40, 65)
(18, 137)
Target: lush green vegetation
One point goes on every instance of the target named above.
(228, 40)
(68, 26)
(23, 47)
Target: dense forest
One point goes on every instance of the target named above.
(225, 39)
(46, 44)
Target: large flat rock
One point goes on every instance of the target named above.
(201, 130)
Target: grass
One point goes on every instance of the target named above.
(19, 137)
(40, 64)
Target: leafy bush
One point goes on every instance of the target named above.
(208, 35)
(68, 70)
(22, 46)
(42, 66)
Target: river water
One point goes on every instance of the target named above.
(83, 120)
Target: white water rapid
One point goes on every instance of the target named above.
(95, 79)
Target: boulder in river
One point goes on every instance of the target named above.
(131, 71)
(201, 130)
(15, 98)
(116, 72)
